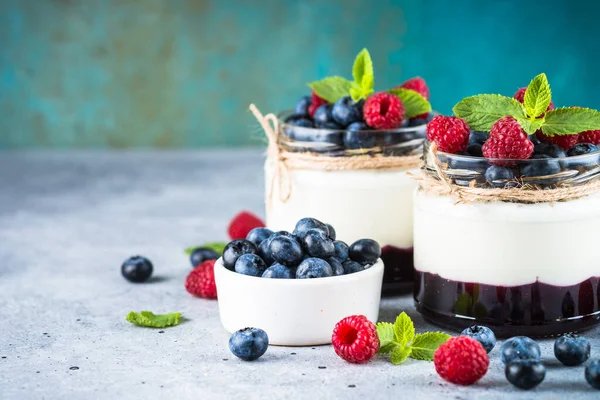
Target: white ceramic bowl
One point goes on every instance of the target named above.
(296, 312)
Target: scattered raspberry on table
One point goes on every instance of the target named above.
(461, 360)
(201, 281)
(355, 339)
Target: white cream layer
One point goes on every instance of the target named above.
(358, 204)
(507, 244)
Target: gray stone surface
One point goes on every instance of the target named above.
(68, 220)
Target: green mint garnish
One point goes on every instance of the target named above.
(332, 88)
(151, 320)
(537, 96)
(482, 111)
(566, 121)
(364, 77)
(399, 340)
(414, 103)
(215, 246)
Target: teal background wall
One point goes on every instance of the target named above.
(160, 73)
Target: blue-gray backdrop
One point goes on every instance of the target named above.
(181, 73)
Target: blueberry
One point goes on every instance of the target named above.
(264, 253)
(317, 244)
(534, 139)
(249, 343)
(250, 264)
(313, 268)
(137, 269)
(477, 137)
(592, 374)
(201, 254)
(330, 232)
(525, 374)
(305, 224)
(474, 150)
(549, 149)
(365, 250)
(572, 349)
(345, 111)
(351, 267)
(323, 115)
(581, 149)
(285, 250)
(336, 266)
(341, 250)
(496, 173)
(257, 235)
(302, 106)
(278, 271)
(303, 122)
(483, 335)
(519, 348)
(540, 168)
(354, 140)
(358, 126)
(235, 249)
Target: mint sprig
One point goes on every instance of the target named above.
(537, 96)
(400, 342)
(364, 76)
(218, 247)
(414, 103)
(151, 320)
(332, 88)
(483, 110)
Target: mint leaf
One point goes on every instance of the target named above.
(216, 246)
(400, 355)
(414, 103)
(363, 74)
(425, 344)
(151, 320)
(404, 329)
(537, 96)
(567, 121)
(387, 338)
(530, 125)
(332, 88)
(481, 111)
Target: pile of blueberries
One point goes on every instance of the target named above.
(310, 251)
(522, 356)
(541, 171)
(341, 124)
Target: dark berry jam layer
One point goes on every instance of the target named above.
(398, 272)
(536, 309)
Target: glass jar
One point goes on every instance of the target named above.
(359, 200)
(518, 264)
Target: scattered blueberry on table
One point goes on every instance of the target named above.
(137, 269)
(249, 344)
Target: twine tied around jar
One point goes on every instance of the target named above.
(284, 161)
(440, 184)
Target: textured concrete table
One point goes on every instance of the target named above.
(68, 220)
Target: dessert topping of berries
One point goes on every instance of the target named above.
(315, 103)
(200, 281)
(355, 339)
(383, 111)
(461, 360)
(508, 141)
(418, 85)
(451, 134)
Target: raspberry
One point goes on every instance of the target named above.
(450, 133)
(508, 140)
(520, 97)
(592, 137)
(383, 111)
(461, 360)
(242, 224)
(418, 85)
(355, 339)
(565, 142)
(315, 102)
(201, 281)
